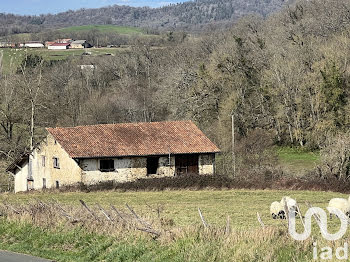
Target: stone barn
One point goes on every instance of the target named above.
(80, 44)
(118, 152)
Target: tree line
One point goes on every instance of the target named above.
(284, 79)
(189, 15)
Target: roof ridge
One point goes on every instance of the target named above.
(133, 139)
(122, 123)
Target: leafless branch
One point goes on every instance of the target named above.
(202, 218)
(137, 217)
(105, 213)
(118, 213)
(259, 219)
(88, 209)
(227, 228)
(300, 215)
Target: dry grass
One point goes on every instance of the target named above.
(226, 242)
(65, 230)
(181, 205)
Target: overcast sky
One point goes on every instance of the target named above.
(35, 7)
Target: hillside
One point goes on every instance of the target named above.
(103, 29)
(189, 15)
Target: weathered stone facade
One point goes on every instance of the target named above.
(88, 170)
(126, 169)
(206, 164)
(115, 152)
(42, 168)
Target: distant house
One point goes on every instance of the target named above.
(59, 46)
(48, 43)
(87, 67)
(64, 40)
(7, 45)
(33, 44)
(118, 152)
(80, 44)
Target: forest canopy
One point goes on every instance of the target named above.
(284, 78)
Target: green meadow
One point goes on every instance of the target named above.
(12, 58)
(247, 240)
(296, 160)
(181, 206)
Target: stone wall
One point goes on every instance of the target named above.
(88, 171)
(21, 178)
(68, 172)
(206, 164)
(126, 169)
(164, 169)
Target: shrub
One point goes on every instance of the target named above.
(266, 180)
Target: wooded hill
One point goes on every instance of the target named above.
(285, 79)
(185, 16)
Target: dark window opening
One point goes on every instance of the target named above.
(152, 165)
(57, 184)
(56, 162)
(107, 165)
(44, 182)
(43, 160)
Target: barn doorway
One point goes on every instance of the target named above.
(30, 184)
(152, 165)
(186, 164)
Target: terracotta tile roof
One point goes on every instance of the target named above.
(18, 162)
(133, 139)
(60, 44)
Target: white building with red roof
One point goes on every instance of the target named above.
(33, 44)
(59, 46)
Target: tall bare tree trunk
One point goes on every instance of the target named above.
(32, 125)
(1, 56)
(233, 144)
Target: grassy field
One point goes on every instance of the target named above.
(104, 29)
(246, 242)
(12, 57)
(181, 206)
(296, 160)
(196, 245)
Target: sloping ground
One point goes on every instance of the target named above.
(104, 29)
(188, 14)
(181, 205)
(13, 57)
(185, 14)
(297, 161)
(183, 237)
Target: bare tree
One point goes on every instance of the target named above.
(31, 81)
